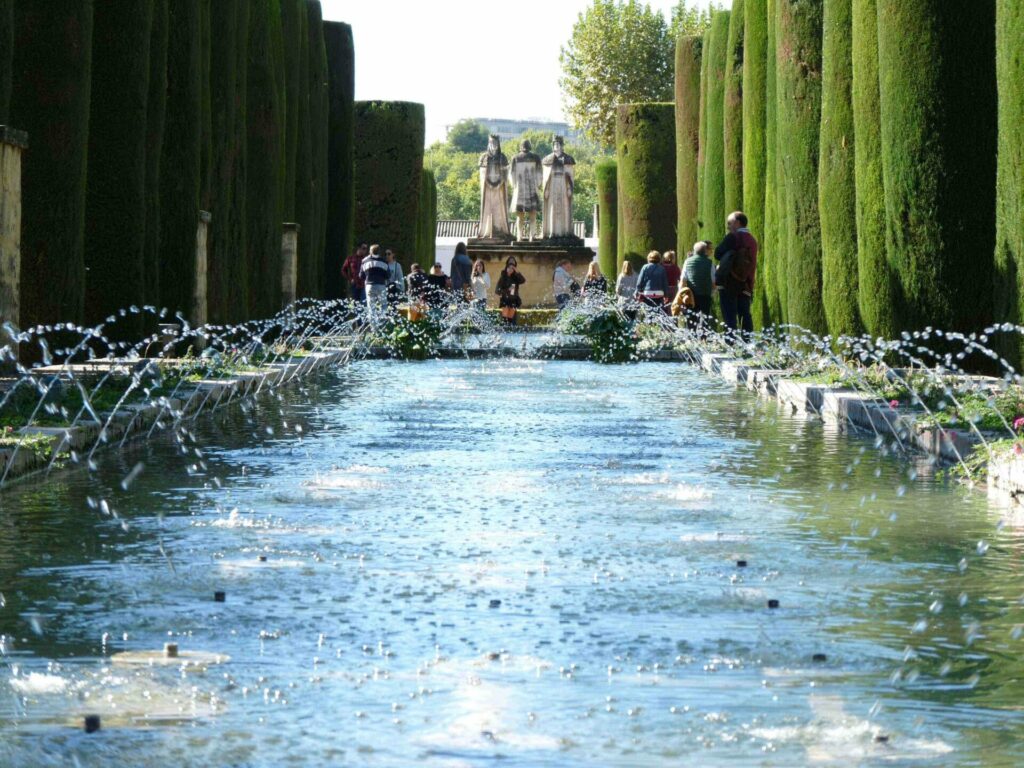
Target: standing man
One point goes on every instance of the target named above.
(350, 271)
(737, 264)
(462, 274)
(699, 277)
(525, 174)
(374, 271)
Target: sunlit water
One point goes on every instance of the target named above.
(365, 528)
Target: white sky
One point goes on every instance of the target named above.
(442, 53)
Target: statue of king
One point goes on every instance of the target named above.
(559, 170)
(494, 193)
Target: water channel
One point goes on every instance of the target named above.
(529, 563)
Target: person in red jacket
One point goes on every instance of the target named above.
(350, 271)
(737, 259)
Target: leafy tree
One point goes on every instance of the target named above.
(468, 136)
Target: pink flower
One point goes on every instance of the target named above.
(894, 404)
(1018, 423)
(1018, 448)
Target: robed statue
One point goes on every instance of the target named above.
(559, 172)
(494, 193)
(526, 177)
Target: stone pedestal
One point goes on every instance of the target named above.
(537, 262)
(12, 144)
(198, 315)
(289, 262)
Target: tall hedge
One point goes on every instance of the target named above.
(878, 285)
(340, 158)
(292, 12)
(606, 174)
(755, 64)
(52, 68)
(772, 255)
(115, 201)
(239, 214)
(938, 94)
(798, 97)
(6, 56)
(388, 166)
(733, 118)
(1010, 186)
(713, 191)
(308, 268)
(645, 149)
(687, 90)
(702, 137)
(318, 105)
(837, 193)
(206, 106)
(265, 157)
(426, 225)
(156, 107)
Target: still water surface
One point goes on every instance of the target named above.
(365, 528)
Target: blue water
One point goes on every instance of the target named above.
(606, 508)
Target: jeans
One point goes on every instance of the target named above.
(562, 299)
(700, 315)
(736, 307)
(376, 302)
(358, 293)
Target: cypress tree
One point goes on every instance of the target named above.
(878, 285)
(713, 192)
(772, 255)
(305, 194)
(318, 139)
(606, 174)
(837, 194)
(388, 165)
(291, 25)
(6, 56)
(156, 103)
(206, 129)
(52, 66)
(733, 119)
(798, 100)
(645, 149)
(115, 203)
(755, 64)
(238, 295)
(340, 213)
(1010, 187)
(939, 142)
(687, 88)
(426, 230)
(265, 154)
(702, 137)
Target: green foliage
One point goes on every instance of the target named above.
(836, 182)
(6, 56)
(610, 335)
(645, 148)
(52, 67)
(733, 117)
(306, 204)
(340, 212)
(206, 107)
(388, 164)
(426, 226)
(292, 20)
(115, 205)
(798, 100)
(410, 339)
(467, 136)
(878, 286)
(318, 108)
(687, 21)
(772, 256)
(939, 118)
(755, 64)
(156, 104)
(606, 173)
(712, 193)
(687, 90)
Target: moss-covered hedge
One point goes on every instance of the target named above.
(687, 90)
(772, 256)
(645, 149)
(52, 68)
(319, 117)
(878, 286)
(115, 203)
(426, 225)
(939, 120)
(712, 193)
(836, 173)
(388, 166)
(340, 158)
(733, 117)
(798, 97)
(755, 64)
(606, 174)
(6, 56)
(156, 104)
(265, 157)
(702, 136)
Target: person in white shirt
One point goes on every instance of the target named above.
(481, 284)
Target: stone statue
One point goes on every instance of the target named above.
(494, 193)
(526, 176)
(559, 171)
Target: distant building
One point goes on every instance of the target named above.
(513, 129)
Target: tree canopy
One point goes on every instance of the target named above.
(468, 136)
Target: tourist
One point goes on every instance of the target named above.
(509, 299)
(374, 273)
(437, 294)
(594, 285)
(650, 283)
(737, 264)
(672, 274)
(462, 280)
(396, 280)
(419, 291)
(563, 283)
(481, 284)
(625, 286)
(350, 271)
(699, 277)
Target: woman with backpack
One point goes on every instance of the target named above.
(737, 264)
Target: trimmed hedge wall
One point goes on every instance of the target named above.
(115, 201)
(308, 268)
(265, 156)
(878, 286)
(837, 195)
(733, 118)
(702, 138)
(939, 120)
(772, 255)
(206, 115)
(755, 64)
(687, 90)
(340, 212)
(645, 148)
(388, 166)
(156, 106)
(52, 67)
(712, 193)
(798, 101)
(292, 33)
(426, 225)
(318, 142)
(606, 174)
(1010, 185)
(6, 56)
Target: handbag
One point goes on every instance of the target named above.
(508, 312)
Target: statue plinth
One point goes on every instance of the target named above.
(536, 262)
(498, 239)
